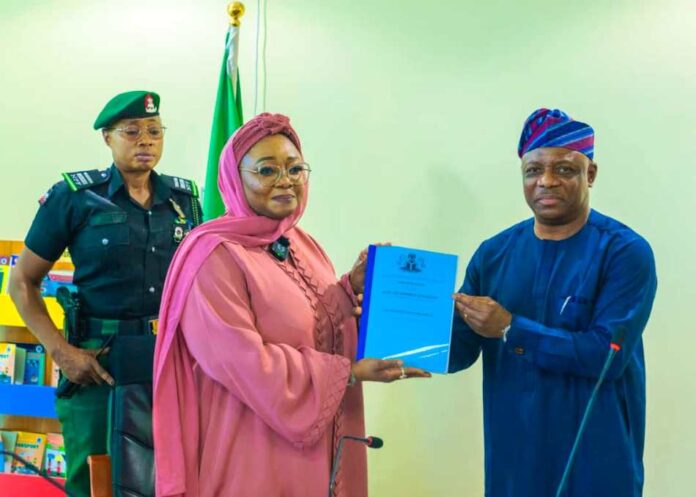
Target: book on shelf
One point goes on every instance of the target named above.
(65, 257)
(12, 363)
(31, 447)
(55, 374)
(9, 440)
(55, 455)
(4, 277)
(34, 364)
(62, 275)
(7, 362)
(44, 450)
(7, 262)
(20, 365)
(23, 363)
(54, 280)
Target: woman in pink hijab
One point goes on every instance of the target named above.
(254, 379)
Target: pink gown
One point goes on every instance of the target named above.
(261, 359)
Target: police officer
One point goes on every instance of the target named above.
(121, 226)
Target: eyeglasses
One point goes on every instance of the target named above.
(270, 174)
(132, 133)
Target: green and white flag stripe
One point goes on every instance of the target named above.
(226, 119)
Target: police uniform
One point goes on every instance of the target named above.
(121, 252)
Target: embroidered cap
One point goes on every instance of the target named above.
(128, 105)
(555, 128)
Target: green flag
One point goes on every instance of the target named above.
(226, 119)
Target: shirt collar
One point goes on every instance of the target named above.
(116, 181)
(161, 191)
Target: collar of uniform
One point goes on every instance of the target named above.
(161, 191)
(116, 181)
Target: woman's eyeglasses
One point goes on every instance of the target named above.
(270, 174)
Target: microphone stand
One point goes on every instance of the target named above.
(616, 342)
(372, 442)
(334, 470)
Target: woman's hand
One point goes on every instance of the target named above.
(81, 365)
(385, 371)
(357, 310)
(357, 273)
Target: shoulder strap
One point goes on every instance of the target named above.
(81, 180)
(183, 185)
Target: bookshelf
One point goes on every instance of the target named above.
(28, 400)
(10, 317)
(27, 407)
(12, 485)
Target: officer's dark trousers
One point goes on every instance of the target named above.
(85, 422)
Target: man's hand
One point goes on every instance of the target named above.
(81, 365)
(483, 314)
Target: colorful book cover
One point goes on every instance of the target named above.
(9, 440)
(56, 279)
(4, 278)
(34, 364)
(65, 257)
(407, 307)
(55, 374)
(55, 454)
(19, 365)
(61, 275)
(7, 362)
(4, 272)
(31, 447)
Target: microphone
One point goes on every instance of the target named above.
(372, 442)
(617, 340)
(280, 249)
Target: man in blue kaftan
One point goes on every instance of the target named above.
(540, 303)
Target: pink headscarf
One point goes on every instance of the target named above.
(240, 225)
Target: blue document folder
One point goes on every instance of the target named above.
(408, 306)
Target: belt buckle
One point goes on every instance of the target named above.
(152, 325)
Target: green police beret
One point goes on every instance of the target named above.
(129, 105)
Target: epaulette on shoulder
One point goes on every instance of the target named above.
(81, 180)
(187, 186)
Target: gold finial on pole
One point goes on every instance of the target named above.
(235, 11)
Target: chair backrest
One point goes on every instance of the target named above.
(100, 475)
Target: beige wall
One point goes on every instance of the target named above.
(410, 114)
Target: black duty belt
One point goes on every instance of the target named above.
(98, 328)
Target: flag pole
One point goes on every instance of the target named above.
(235, 10)
(227, 115)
